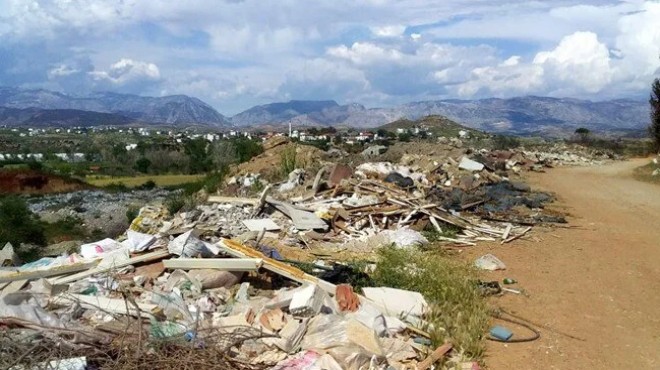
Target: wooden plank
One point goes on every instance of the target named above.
(221, 199)
(37, 274)
(237, 250)
(225, 264)
(516, 236)
(152, 256)
(12, 287)
(434, 357)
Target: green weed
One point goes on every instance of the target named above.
(458, 311)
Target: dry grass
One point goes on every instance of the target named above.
(40, 348)
(131, 182)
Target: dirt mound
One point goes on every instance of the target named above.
(35, 182)
(271, 159)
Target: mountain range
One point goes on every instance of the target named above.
(522, 115)
(126, 108)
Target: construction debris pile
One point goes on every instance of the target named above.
(182, 300)
(216, 285)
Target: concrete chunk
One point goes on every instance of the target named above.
(470, 165)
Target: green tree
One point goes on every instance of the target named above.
(142, 165)
(583, 134)
(119, 152)
(19, 225)
(247, 148)
(142, 147)
(195, 149)
(405, 137)
(654, 127)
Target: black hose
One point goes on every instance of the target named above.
(498, 315)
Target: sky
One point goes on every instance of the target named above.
(234, 54)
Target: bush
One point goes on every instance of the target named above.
(148, 185)
(247, 148)
(68, 228)
(458, 311)
(288, 159)
(19, 225)
(404, 137)
(502, 142)
(176, 202)
(131, 213)
(116, 187)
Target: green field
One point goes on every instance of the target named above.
(133, 181)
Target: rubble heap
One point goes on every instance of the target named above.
(215, 284)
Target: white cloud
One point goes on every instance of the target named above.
(389, 31)
(62, 70)
(126, 71)
(237, 53)
(579, 61)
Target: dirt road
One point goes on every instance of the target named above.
(600, 282)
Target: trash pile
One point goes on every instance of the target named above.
(221, 285)
(178, 299)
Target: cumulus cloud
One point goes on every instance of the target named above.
(238, 53)
(580, 60)
(126, 71)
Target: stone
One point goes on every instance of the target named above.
(470, 165)
(374, 151)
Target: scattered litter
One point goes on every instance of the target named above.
(501, 333)
(489, 262)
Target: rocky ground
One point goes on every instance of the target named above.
(98, 210)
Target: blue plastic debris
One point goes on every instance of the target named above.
(501, 333)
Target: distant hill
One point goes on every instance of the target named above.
(170, 110)
(523, 115)
(34, 117)
(282, 112)
(437, 125)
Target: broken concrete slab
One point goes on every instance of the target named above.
(470, 165)
(307, 301)
(302, 220)
(8, 257)
(261, 224)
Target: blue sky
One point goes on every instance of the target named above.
(237, 53)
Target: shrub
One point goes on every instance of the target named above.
(68, 228)
(175, 202)
(288, 159)
(458, 311)
(131, 213)
(148, 185)
(116, 187)
(404, 137)
(247, 148)
(502, 142)
(19, 225)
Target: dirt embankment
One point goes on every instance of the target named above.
(35, 182)
(597, 282)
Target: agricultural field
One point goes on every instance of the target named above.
(134, 181)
